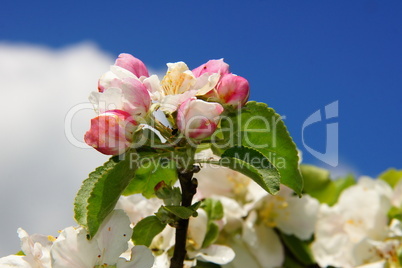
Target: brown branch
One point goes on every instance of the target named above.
(188, 189)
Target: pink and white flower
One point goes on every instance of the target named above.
(36, 249)
(198, 119)
(127, 94)
(212, 66)
(132, 64)
(73, 249)
(111, 133)
(178, 85)
(233, 90)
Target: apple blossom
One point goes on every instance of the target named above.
(127, 94)
(131, 63)
(36, 250)
(212, 66)
(178, 85)
(263, 243)
(198, 119)
(343, 232)
(290, 214)
(221, 181)
(73, 249)
(111, 133)
(126, 66)
(115, 72)
(233, 90)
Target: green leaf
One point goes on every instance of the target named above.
(171, 196)
(315, 178)
(395, 213)
(254, 165)
(318, 184)
(181, 212)
(152, 170)
(391, 176)
(20, 253)
(331, 192)
(257, 126)
(299, 249)
(213, 208)
(99, 193)
(211, 235)
(146, 229)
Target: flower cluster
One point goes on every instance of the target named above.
(133, 214)
(357, 230)
(111, 247)
(192, 102)
(241, 225)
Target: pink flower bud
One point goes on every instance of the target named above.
(233, 90)
(112, 132)
(212, 66)
(132, 64)
(198, 119)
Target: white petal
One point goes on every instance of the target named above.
(120, 72)
(138, 207)
(73, 249)
(244, 257)
(299, 217)
(110, 99)
(364, 252)
(217, 254)
(206, 83)
(220, 181)
(179, 67)
(141, 257)
(397, 195)
(380, 264)
(35, 247)
(116, 72)
(233, 213)
(197, 228)
(263, 242)
(16, 261)
(153, 84)
(164, 240)
(170, 103)
(113, 235)
(162, 261)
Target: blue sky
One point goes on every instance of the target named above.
(298, 56)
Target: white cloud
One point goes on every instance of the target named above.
(40, 170)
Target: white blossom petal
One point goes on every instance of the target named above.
(17, 261)
(263, 242)
(244, 257)
(141, 257)
(197, 229)
(138, 207)
(73, 249)
(217, 254)
(113, 236)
